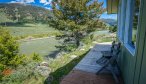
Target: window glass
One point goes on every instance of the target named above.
(135, 22)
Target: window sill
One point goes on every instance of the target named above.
(120, 40)
(130, 49)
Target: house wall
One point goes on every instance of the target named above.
(127, 65)
(140, 70)
(142, 75)
(133, 66)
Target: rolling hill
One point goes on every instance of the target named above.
(24, 12)
(110, 22)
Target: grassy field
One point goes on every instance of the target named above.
(46, 46)
(25, 29)
(101, 32)
(30, 29)
(43, 47)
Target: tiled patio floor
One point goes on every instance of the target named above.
(84, 71)
(81, 77)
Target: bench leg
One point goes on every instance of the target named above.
(115, 76)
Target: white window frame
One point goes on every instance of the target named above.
(121, 22)
(119, 19)
(129, 26)
(125, 24)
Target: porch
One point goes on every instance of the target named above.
(85, 71)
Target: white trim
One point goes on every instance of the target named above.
(129, 25)
(119, 19)
(120, 41)
(126, 24)
(122, 20)
(130, 49)
(122, 17)
(129, 21)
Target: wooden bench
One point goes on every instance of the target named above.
(109, 59)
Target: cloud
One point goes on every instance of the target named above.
(46, 2)
(22, 1)
(49, 8)
(43, 1)
(13, 2)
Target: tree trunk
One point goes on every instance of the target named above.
(77, 37)
(5, 23)
(77, 43)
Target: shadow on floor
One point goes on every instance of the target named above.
(56, 76)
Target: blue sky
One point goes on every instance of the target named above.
(47, 4)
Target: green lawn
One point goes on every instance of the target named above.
(30, 29)
(44, 47)
(101, 32)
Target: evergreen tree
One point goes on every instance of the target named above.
(8, 49)
(76, 19)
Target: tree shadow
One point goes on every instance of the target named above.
(56, 76)
(53, 54)
(14, 24)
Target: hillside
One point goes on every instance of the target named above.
(24, 12)
(111, 22)
(3, 18)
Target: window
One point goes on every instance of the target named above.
(132, 14)
(128, 23)
(135, 23)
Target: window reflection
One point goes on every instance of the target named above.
(135, 22)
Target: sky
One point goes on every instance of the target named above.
(47, 4)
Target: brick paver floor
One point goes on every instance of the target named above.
(81, 77)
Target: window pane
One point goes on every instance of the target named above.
(135, 22)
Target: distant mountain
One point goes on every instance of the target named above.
(25, 11)
(111, 22)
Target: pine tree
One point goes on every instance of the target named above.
(76, 19)
(8, 50)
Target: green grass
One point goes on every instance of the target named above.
(44, 47)
(30, 29)
(63, 65)
(101, 32)
(27, 29)
(64, 70)
(33, 80)
(59, 68)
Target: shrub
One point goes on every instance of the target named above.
(7, 72)
(21, 73)
(9, 56)
(2, 67)
(88, 39)
(36, 57)
(8, 49)
(71, 47)
(113, 28)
